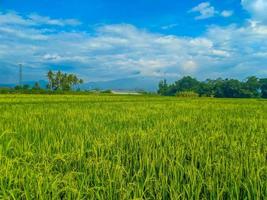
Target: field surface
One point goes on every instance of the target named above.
(132, 147)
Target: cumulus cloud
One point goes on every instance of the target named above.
(123, 50)
(257, 9)
(206, 10)
(37, 19)
(12, 18)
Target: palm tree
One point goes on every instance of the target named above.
(59, 80)
(50, 76)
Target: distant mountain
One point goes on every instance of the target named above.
(7, 85)
(30, 83)
(127, 84)
(140, 83)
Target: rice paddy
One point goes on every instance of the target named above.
(132, 147)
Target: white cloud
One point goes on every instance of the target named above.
(12, 18)
(221, 53)
(206, 10)
(51, 57)
(189, 65)
(257, 9)
(169, 26)
(123, 50)
(37, 19)
(227, 13)
(29, 33)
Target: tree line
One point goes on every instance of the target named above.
(252, 87)
(58, 82)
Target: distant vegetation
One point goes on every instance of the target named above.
(252, 87)
(63, 83)
(58, 82)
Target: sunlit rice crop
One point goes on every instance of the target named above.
(132, 147)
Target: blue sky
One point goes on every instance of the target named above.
(108, 40)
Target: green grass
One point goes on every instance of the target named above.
(132, 147)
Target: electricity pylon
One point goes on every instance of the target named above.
(20, 75)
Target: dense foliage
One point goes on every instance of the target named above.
(252, 87)
(62, 81)
(132, 147)
(187, 94)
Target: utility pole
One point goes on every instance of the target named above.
(20, 75)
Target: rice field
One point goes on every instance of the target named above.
(132, 147)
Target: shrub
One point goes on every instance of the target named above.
(187, 94)
(106, 91)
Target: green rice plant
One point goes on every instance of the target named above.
(132, 147)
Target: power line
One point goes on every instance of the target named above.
(20, 75)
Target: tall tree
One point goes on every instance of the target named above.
(187, 83)
(252, 87)
(51, 77)
(163, 87)
(263, 87)
(62, 81)
(36, 86)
